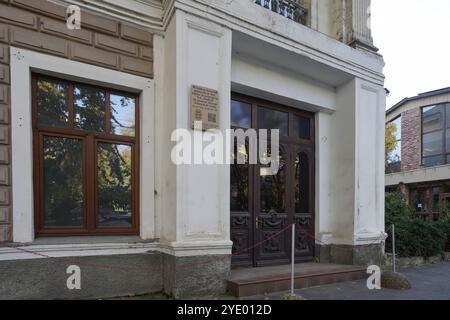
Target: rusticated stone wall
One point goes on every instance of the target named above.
(40, 25)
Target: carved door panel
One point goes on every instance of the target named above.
(272, 206)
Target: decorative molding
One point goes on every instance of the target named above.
(73, 250)
(144, 13)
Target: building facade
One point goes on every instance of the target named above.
(419, 167)
(87, 117)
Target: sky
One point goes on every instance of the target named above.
(414, 38)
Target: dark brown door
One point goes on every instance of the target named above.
(263, 204)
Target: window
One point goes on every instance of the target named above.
(394, 157)
(436, 135)
(85, 159)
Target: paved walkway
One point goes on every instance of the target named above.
(430, 282)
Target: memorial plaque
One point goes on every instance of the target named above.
(205, 107)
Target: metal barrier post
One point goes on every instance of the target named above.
(293, 260)
(393, 249)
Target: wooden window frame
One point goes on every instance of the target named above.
(90, 140)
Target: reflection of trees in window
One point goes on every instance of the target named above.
(240, 180)
(89, 105)
(301, 183)
(273, 187)
(63, 182)
(122, 115)
(393, 145)
(52, 103)
(114, 183)
(80, 132)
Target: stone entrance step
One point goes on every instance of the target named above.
(258, 281)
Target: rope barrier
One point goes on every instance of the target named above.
(301, 229)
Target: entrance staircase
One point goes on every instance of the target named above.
(259, 281)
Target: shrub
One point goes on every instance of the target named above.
(414, 236)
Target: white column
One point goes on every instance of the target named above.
(370, 126)
(195, 204)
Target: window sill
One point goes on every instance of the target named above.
(62, 247)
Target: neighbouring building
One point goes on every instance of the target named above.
(419, 167)
(86, 118)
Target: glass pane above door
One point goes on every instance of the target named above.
(241, 114)
(273, 119)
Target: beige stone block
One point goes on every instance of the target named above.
(4, 114)
(115, 44)
(39, 41)
(4, 53)
(135, 34)
(18, 16)
(4, 154)
(59, 28)
(4, 134)
(4, 33)
(4, 214)
(4, 93)
(42, 6)
(99, 23)
(146, 53)
(5, 233)
(137, 66)
(4, 196)
(95, 56)
(4, 176)
(4, 73)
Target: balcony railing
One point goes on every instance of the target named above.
(291, 9)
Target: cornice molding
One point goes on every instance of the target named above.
(146, 14)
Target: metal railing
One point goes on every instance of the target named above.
(291, 9)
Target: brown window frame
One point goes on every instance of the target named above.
(90, 141)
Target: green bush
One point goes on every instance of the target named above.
(413, 235)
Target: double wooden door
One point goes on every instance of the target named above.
(264, 204)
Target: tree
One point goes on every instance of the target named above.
(391, 143)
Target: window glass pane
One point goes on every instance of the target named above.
(432, 143)
(63, 182)
(89, 107)
(241, 114)
(448, 114)
(302, 127)
(239, 188)
(436, 194)
(419, 200)
(447, 140)
(432, 118)
(398, 128)
(114, 183)
(52, 103)
(272, 119)
(240, 179)
(433, 161)
(123, 115)
(301, 183)
(273, 187)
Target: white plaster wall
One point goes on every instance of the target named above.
(281, 85)
(342, 166)
(370, 106)
(195, 216)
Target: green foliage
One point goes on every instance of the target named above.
(413, 235)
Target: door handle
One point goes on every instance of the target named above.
(257, 222)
